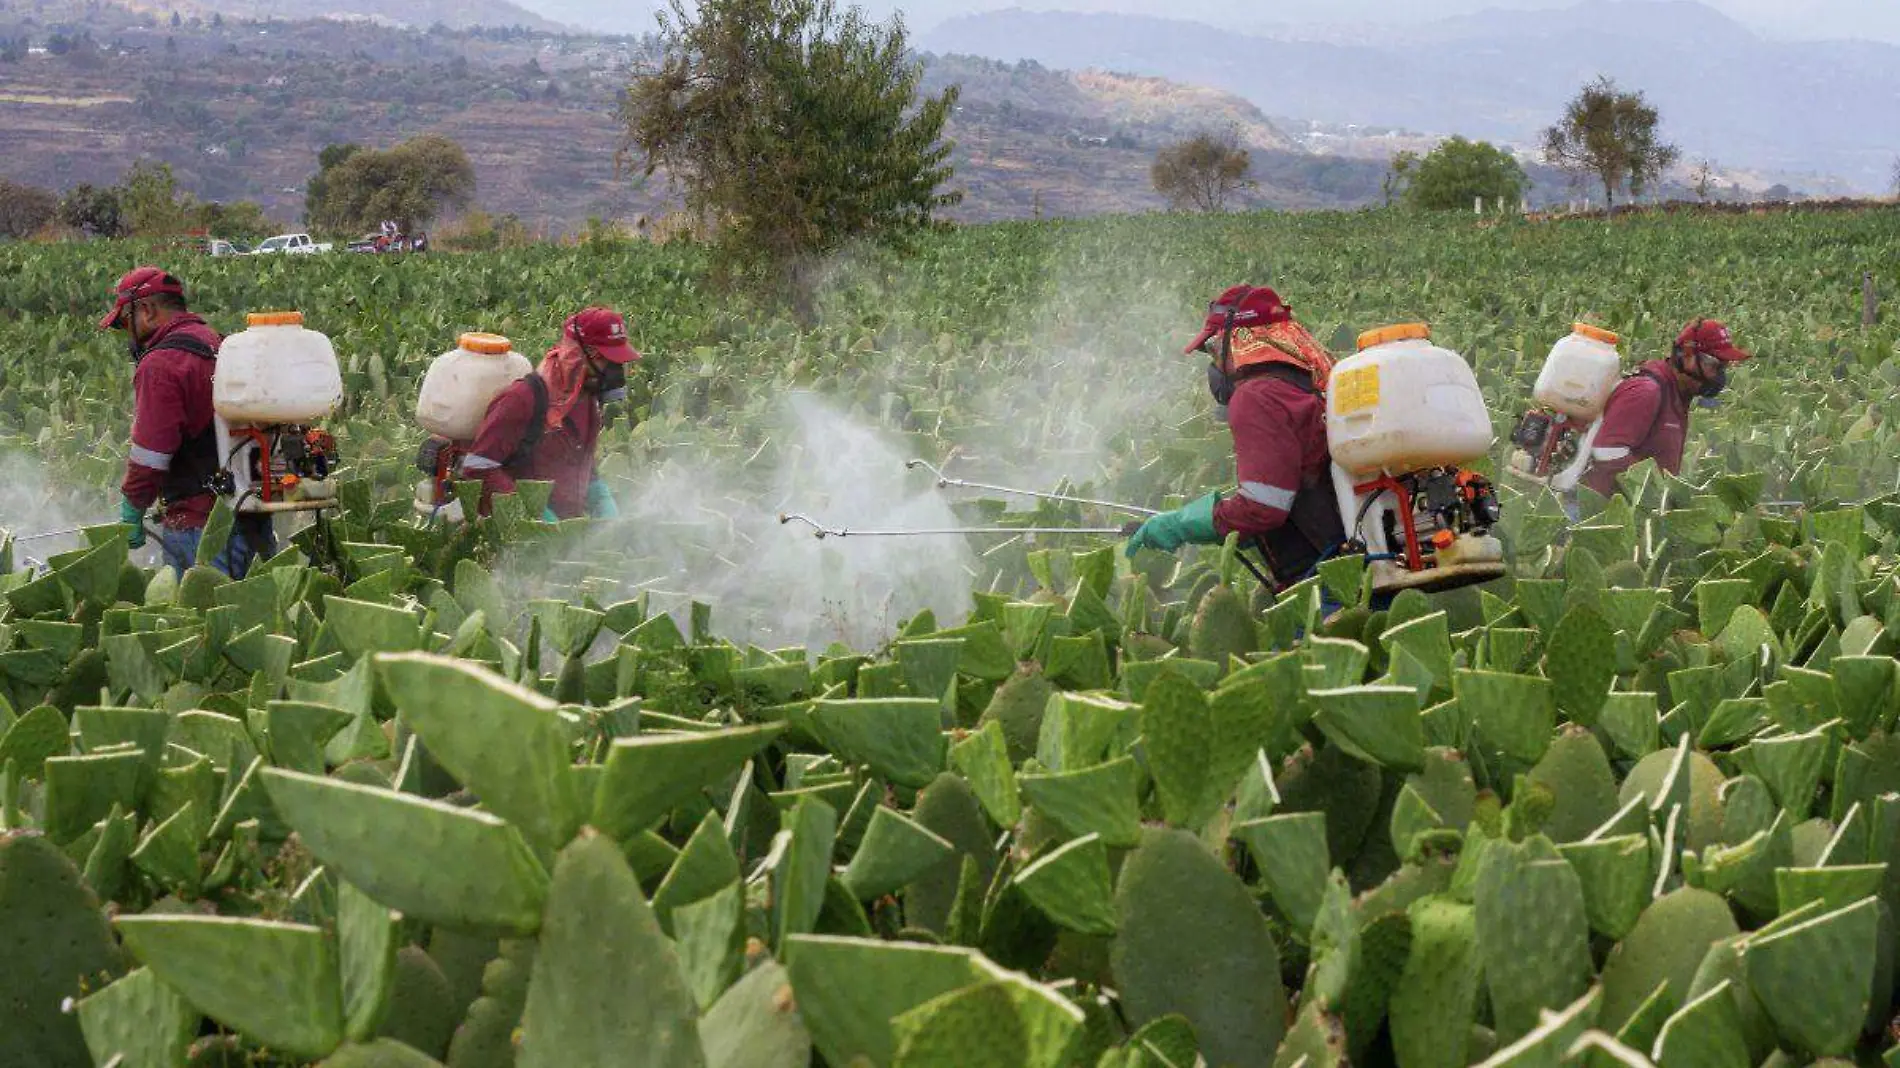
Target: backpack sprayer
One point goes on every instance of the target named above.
(455, 395)
(274, 381)
(1553, 441)
(1402, 418)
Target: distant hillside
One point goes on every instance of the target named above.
(240, 109)
(1810, 107)
(457, 14)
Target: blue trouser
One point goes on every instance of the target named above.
(249, 543)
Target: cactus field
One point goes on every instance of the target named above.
(487, 796)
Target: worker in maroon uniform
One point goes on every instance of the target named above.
(1270, 374)
(174, 446)
(546, 426)
(1647, 416)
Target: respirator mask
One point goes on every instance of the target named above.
(129, 323)
(1712, 384)
(611, 384)
(1222, 388)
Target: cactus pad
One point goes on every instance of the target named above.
(1070, 884)
(427, 859)
(756, 1024)
(598, 941)
(1814, 977)
(140, 1019)
(1533, 934)
(1664, 948)
(1435, 1003)
(53, 938)
(1215, 963)
(1582, 787)
(290, 997)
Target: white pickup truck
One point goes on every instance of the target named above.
(289, 243)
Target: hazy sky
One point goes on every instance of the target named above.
(1871, 19)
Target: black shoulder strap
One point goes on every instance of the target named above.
(1298, 377)
(186, 344)
(537, 420)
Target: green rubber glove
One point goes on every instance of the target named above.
(600, 501)
(134, 519)
(548, 516)
(1190, 524)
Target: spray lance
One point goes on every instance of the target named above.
(944, 481)
(1127, 530)
(819, 530)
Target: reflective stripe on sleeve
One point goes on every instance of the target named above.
(479, 463)
(1616, 453)
(1271, 496)
(144, 457)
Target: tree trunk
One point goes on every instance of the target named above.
(801, 277)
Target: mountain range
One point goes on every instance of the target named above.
(239, 110)
(1724, 91)
(1798, 110)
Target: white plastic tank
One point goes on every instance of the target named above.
(275, 371)
(1403, 404)
(1580, 373)
(459, 385)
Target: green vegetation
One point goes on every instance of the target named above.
(793, 130)
(355, 189)
(1458, 172)
(1610, 135)
(1202, 172)
(483, 800)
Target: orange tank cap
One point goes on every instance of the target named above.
(1398, 332)
(275, 318)
(486, 344)
(1596, 333)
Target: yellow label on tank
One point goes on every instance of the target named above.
(1356, 390)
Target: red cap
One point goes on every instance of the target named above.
(604, 331)
(1248, 305)
(1712, 337)
(139, 283)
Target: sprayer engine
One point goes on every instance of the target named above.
(1428, 530)
(283, 468)
(440, 459)
(1549, 440)
(1551, 448)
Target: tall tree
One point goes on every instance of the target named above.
(1702, 179)
(93, 210)
(316, 191)
(24, 209)
(792, 130)
(410, 184)
(1611, 135)
(152, 205)
(1202, 172)
(1458, 171)
(1398, 177)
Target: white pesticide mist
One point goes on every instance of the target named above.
(31, 504)
(1105, 384)
(707, 529)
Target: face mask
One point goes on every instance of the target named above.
(611, 384)
(1713, 387)
(131, 328)
(1221, 386)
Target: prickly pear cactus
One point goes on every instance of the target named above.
(1215, 964)
(56, 945)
